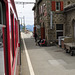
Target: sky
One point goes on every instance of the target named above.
(25, 12)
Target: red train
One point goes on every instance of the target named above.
(11, 45)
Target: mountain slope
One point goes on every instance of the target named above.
(30, 27)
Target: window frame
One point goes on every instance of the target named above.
(1, 13)
(59, 30)
(59, 6)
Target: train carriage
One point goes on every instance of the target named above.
(10, 33)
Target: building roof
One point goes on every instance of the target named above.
(34, 7)
(69, 7)
(38, 1)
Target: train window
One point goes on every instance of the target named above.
(4, 33)
(16, 28)
(15, 34)
(12, 39)
(1, 15)
(59, 26)
(2, 19)
(4, 14)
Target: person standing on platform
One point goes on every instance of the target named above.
(35, 36)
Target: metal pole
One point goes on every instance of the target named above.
(24, 22)
(51, 20)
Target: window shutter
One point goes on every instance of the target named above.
(61, 5)
(53, 6)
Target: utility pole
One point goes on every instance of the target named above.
(24, 22)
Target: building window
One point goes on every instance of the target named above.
(57, 6)
(59, 30)
(59, 26)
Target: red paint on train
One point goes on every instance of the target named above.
(10, 39)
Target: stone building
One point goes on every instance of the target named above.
(44, 26)
(55, 18)
(69, 12)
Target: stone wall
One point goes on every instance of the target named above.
(68, 2)
(45, 20)
(59, 18)
(69, 28)
(69, 19)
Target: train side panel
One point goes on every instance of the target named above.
(12, 40)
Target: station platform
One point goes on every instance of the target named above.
(38, 60)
